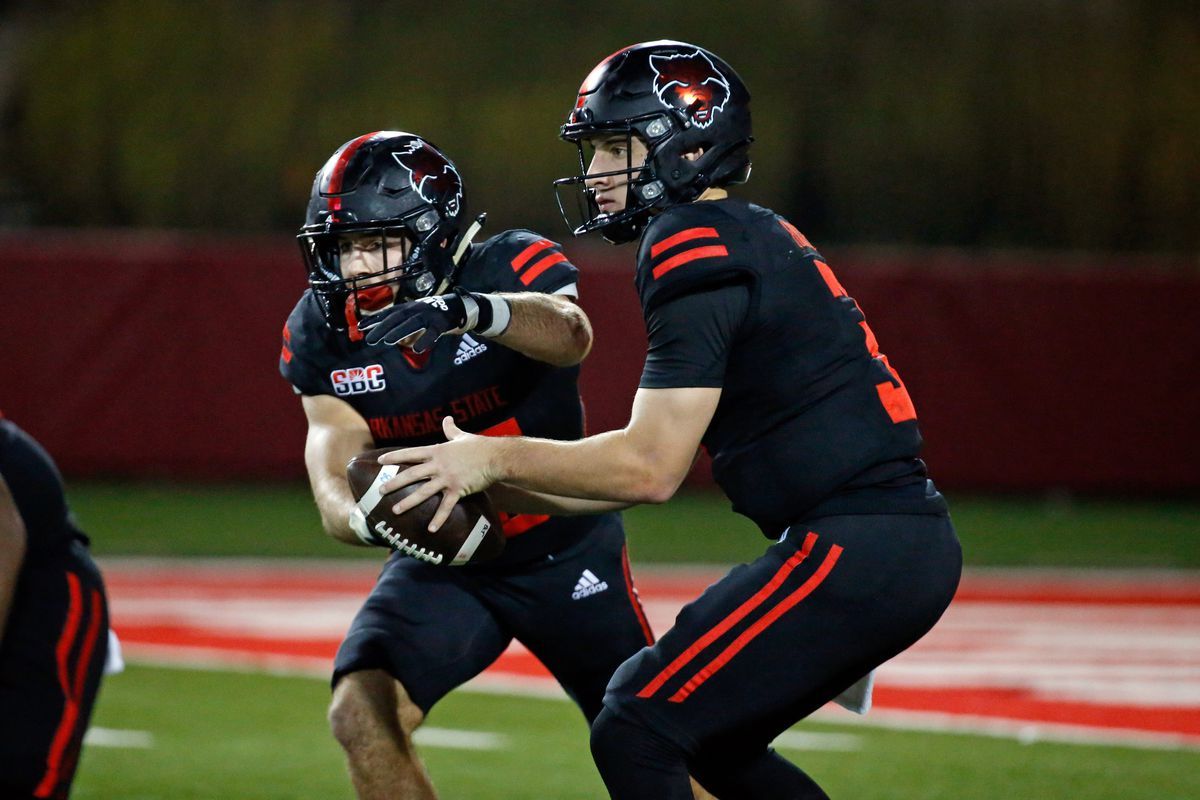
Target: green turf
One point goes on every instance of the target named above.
(260, 737)
(274, 520)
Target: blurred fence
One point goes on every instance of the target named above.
(154, 355)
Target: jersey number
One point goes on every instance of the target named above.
(892, 394)
(513, 524)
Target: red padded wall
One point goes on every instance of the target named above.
(155, 356)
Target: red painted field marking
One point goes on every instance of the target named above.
(1089, 650)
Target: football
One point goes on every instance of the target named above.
(472, 534)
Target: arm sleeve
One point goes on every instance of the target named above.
(691, 335)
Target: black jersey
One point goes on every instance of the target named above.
(487, 387)
(812, 418)
(37, 490)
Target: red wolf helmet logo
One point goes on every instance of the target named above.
(434, 178)
(691, 83)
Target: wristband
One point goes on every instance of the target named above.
(358, 523)
(493, 316)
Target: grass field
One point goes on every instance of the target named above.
(255, 736)
(260, 737)
(163, 519)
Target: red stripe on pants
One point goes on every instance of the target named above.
(712, 667)
(737, 616)
(66, 725)
(633, 596)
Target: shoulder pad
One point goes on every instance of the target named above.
(306, 341)
(518, 261)
(688, 248)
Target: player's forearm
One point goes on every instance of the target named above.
(548, 328)
(334, 502)
(12, 552)
(326, 453)
(516, 500)
(611, 466)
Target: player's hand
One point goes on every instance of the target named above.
(461, 466)
(427, 319)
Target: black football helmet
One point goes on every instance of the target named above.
(677, 98)
(393, 185)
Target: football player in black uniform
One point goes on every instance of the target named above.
(53, 624)
(758, 354)
(406, 321)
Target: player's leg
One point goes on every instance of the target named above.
(373, 719)
(421, 633)
(661, 767)
(772, 642)
(578, 612)
(50, 670)
(581, 616)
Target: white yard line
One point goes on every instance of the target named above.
(111, 737)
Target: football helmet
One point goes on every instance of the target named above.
(677, 98)
(393, 185)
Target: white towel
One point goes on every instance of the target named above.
(858, 697)
(113, 662)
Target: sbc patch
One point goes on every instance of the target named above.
(358, 380)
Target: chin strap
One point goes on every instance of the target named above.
(467, 237)
(461, 251)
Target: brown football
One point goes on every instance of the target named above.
(472, 534)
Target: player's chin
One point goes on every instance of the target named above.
(374, 299)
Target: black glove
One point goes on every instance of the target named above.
(431, 317)
(434, 317)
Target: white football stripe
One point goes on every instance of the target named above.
(482, 526)
(372, 495)
(460, 740)
(808, 740)
(109, 737)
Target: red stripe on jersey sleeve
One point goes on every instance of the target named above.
(678, 260)
(541, 266)
(798, 237)
(681, 237)
(529, 252)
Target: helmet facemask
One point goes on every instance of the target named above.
(643, 190)
(428, 268)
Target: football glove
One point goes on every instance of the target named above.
(431, 318)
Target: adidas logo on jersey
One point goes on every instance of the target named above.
(588, 585)
(468, 348)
